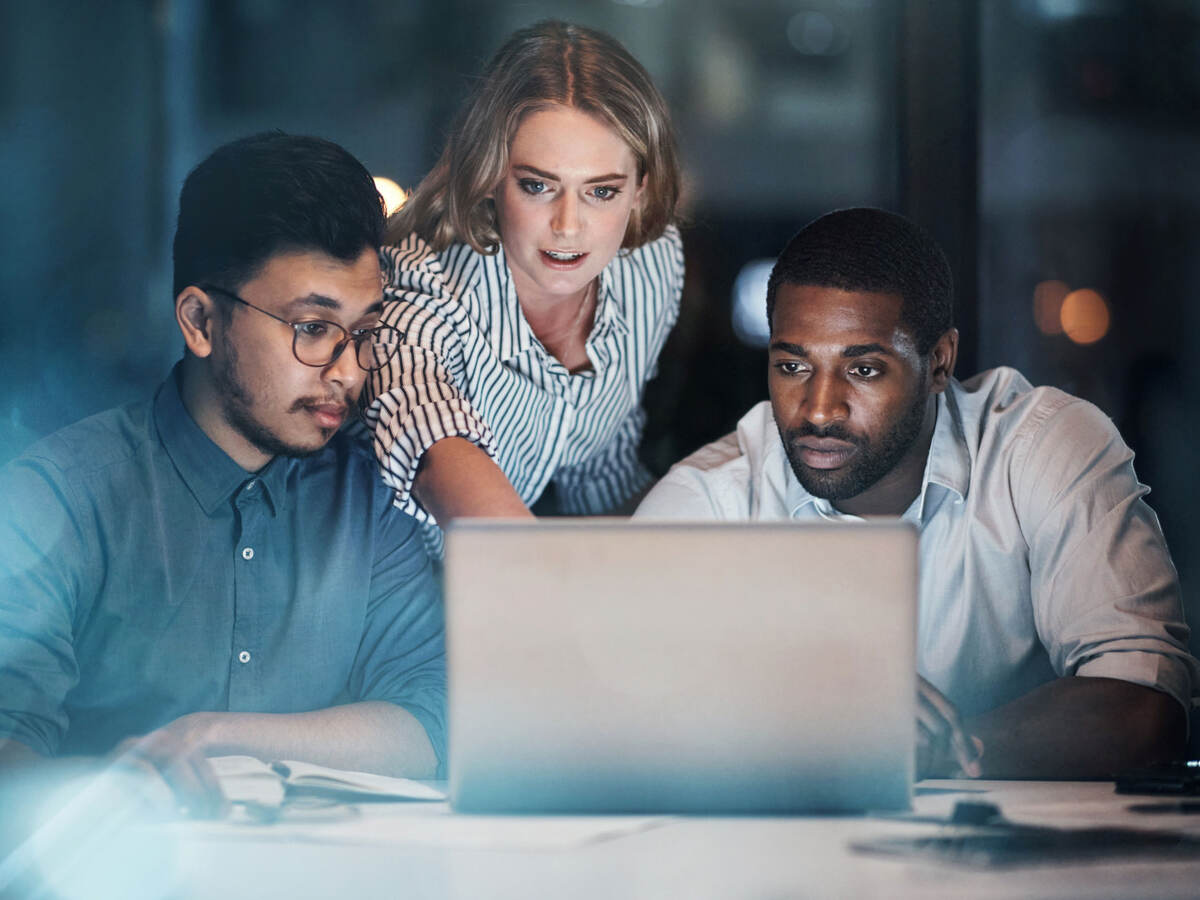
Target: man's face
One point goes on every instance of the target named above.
(268, 400)
(849, 392)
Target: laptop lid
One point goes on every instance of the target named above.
(602, 665)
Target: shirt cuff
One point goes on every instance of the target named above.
(402, 439)
(1160, 671)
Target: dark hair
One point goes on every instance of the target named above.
(874, 251)
(272, 193)
(545, 64)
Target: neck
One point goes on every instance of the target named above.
(200, 398)
(558, 319)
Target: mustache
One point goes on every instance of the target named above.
(312, 402)
(835, 430)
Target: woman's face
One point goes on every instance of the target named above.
(564, 203)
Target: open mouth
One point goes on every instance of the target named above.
(564, 256)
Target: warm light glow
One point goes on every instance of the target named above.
(393, 195)
(1048, 299)
(1084, 316)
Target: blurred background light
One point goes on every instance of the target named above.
(815, 34)
(750, 303)
(393, 195)
(1048, 299)
(1084, 316)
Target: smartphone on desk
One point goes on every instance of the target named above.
(1180, 778)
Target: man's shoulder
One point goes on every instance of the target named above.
(349, 458)
(1002, 408)
(100, 441)
(722, 478)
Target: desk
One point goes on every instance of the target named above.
(371, 857)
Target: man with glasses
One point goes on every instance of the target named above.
(217, 570)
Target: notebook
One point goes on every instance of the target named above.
(601, 665)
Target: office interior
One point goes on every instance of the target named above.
(1049, 146)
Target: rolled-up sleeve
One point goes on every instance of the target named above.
(1105, 593)
(41, 550)
(401, 657)
(416, 399)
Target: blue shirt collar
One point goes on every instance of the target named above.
(208, 471)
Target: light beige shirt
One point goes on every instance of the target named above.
(1038, 556)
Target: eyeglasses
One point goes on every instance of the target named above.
(319, 342)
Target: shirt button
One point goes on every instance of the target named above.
(244, 656)
(247, 553)
(251, 485)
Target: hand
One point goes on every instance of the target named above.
(175, 753)
(942, 742)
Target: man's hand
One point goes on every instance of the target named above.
(176, 754)
(943, 746)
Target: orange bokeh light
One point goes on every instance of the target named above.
(1084, 316)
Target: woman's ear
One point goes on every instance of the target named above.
(196, 313)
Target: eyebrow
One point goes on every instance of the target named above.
(320, 301)
(847, 352)
(550, 176)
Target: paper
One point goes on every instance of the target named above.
(245, 779)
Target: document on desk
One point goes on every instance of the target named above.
(245, 779)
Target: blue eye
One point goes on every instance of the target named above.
(605, 192)
(532, 186)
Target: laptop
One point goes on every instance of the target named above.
(609, 665)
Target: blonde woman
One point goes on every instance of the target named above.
(535, 274)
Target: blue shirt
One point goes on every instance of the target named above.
(145, 575)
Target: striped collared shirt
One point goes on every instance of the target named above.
(471, 366)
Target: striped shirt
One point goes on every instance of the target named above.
(470, 366)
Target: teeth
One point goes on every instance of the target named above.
(564, 257)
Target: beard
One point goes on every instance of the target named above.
(237, 404)
(873, 460)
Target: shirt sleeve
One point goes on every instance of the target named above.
(401, 657)
(416, 399)
(1105, 593)
(609, 477)
(41, 545)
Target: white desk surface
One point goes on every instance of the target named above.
(422, 850)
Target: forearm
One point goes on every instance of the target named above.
(458, 480)
(1079, 727)
(371, 736)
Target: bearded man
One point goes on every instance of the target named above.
(218, 570)
(1051, 640)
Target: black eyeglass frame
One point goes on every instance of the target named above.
(358, 335)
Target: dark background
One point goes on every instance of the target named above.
(1039, 140)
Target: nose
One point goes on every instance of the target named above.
(345, 371)
(566, 221)
(824, 400)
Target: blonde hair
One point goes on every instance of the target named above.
(548, 63)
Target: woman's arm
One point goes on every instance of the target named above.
(456, 479)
